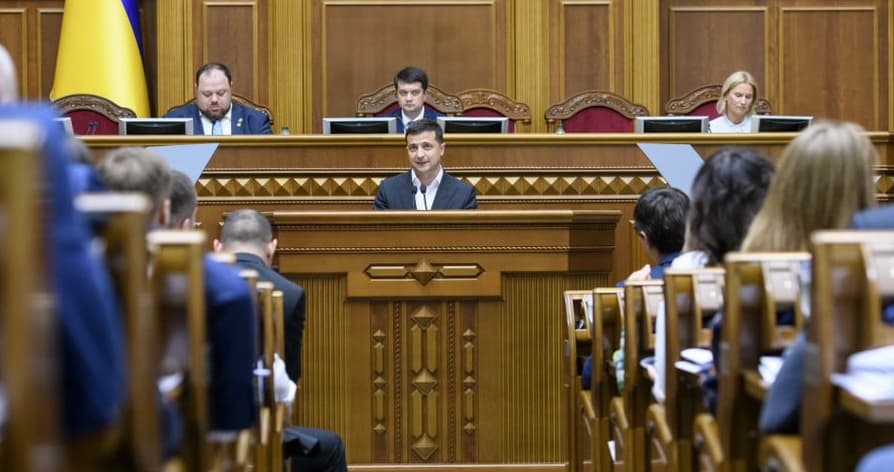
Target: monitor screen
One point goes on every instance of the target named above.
(779, 124)
(462, 124)
(178, 126)
(671, 124)
(65, 124)
(353, 125)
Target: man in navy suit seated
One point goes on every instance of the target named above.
(411, 87)
(213, 112)
(426, 186)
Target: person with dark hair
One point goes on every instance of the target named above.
(213, 112)
(248, 235)
(727, 193)
(184, 201)
(426, 186)
(411, 88)
(660, 219)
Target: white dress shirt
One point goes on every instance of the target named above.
(722, 124)
(406, 119)
(226, 123)
(424, 200)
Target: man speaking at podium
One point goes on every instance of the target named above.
(426, 186)
(213, 112)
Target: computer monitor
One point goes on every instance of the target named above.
(177, 126)
(779, 124)
(671, 124)
(65, 123)
(354, 125)
(477, 124)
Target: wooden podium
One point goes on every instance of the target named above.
(436, 337)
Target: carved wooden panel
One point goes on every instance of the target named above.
(846, 84)
(706, 44)
(49, 26)
(235, 33)
(13, 36)
(358, 46)
(587, 47)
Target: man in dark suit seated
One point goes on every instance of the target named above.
(411, 87)
(231, 322)
(248, 235)
(213, 112)
(426, 186)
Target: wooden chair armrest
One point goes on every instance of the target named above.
(755, 385)
(781, 453)
(656, 422)
(617, 414)
(707, 440)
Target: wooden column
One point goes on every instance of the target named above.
(175, 57)
(528, 68)
(643, 61)
(290, 81)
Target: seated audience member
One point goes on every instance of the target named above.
(875, 218)
(825, 177)
(879, 460)
(426, 186)
(411, 88)
(91, 335)
(90, 331)
(214, 113)
(248, 235)
(660, 221)
(727, 192)
(736, 104)
(231, 322)
(81, 171)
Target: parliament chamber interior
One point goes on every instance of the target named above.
(457, 340)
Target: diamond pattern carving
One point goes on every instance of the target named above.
(423, 272)
(424, 447)
(425, 382)
(423, 316)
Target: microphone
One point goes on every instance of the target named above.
(422, 190)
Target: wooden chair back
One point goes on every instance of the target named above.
(642, 301)
(851, 289)
(178, 286)
(608, 316)
(487, 102)
(759, 286)
(578, 319)
(702, 101)
(121, 221)
(384, 100)
(594, 111)
(91, 114)
(691, 299)
(29, 359)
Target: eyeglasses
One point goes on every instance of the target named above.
(414, 92)
(424, 146)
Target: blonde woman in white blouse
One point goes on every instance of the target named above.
(736, 104)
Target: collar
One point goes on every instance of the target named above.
(668, 259)
(405, 119)
(250, 258)
(434, 183)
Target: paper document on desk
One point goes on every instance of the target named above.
(677, 163)
(190, 159)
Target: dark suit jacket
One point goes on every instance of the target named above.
(428, 113)
(396, 193)
(781, 412)
(232, 327)
(293, 309)
(92, 342)
(245, 120)
(875, 218)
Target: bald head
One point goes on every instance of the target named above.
(9, 89)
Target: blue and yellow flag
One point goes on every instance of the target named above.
(100, 53)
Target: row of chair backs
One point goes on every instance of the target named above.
(94, 115)
(29, 360)
(578, 319)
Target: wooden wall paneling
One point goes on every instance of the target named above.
(358, 46)
(846, 83)
(14, 37)
(530, 50)
(643, 59)
(587, 47)
(234, 35)
(49, 27)
(706, 44)
(175, 39)
(289, 81)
